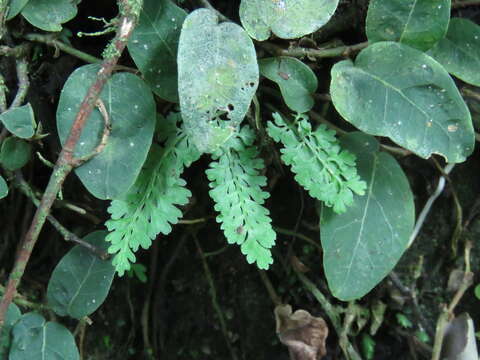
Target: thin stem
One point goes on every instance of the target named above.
(67, 235)
(206, 4)
(23, 82)
(341, 51)
(129, 12)
(269, 286)
(51, 40)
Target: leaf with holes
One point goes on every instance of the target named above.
(459, 50)
(20, 121)
(288, 19)
(417, 105)
(49, 15)
(35, 338)
(154, 43)
(418, 23)
(362, 245)
(296, 80)
(131, 109)
(217, 78)
(81, 280)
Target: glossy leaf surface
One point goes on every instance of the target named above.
(417, 104)
(287, 19)
(34, 338)
(218, 76)
(15, 153)
(362, 245)
(417, 23)
(296, 80)
(81, 280)
(154, 43)
(20, 121)
(131, 109)
(459, 50)
(49, 15)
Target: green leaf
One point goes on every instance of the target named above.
(3, 188)
(131, 108)
(150, 206)
(35, 339)
(13, 315)
(236, 187)
(296, 80)
(361, 246)
(404, 321)
(217, 78)
(14, 8)
(49, 15)
(320, 165)
(154, 43)
(288, 19)
(81, 280)
(368, 346)
(477, 291)
(459, 50)
(418, 23)
(15, 153)
(417, 104)
(20, 121)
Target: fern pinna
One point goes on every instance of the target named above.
(320, 165)
(150, 206)
(236, 187)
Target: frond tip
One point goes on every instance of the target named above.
(320, 165)
(235, 185)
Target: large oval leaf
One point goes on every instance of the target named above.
(131, 109)
(154, 43)
(81, 280)
(296, 80)
(35, 339)
(459, 50)
(362, 245)
(418, 23)
(396, 91)
(288, 19)
(217, 78)
(49, 15)
(20, 121)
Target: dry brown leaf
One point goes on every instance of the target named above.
(303, 333)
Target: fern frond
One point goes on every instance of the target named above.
(236, 188)
(150, 206)
(320, 165)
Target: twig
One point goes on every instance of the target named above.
(23, 301)
(67, 235)
(429, 203)
(447, 312)
(17, 51)
(51, 40)
(347, 348)
(213, 295)
(129, 12)
(3, 97)
(23, 82)
(341, 51)
(3, 15)
(270, 289)
(299, 236)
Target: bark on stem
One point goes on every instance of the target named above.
(129, 12)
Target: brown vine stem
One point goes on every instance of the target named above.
(340, 51)
(129, 13)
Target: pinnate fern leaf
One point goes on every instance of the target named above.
(320, 165)
(150, 206)
(236, 187)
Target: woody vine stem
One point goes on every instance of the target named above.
(66, 162)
